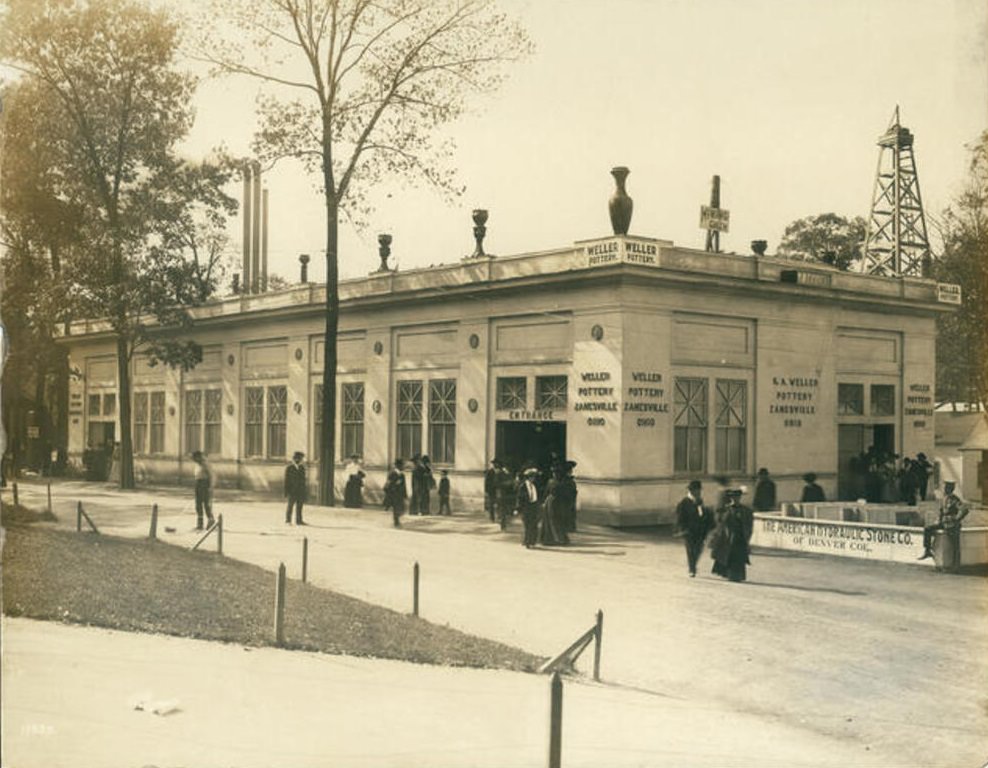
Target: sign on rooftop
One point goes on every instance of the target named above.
(717, 219)
(622, 249)
(948, 293)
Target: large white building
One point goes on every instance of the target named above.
(646, 363)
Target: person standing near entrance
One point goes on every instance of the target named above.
(395, 493)
(204, 490)
(444, 508)
(693, 522)
(811, 491)
(490, 489)
(764, 500)
(528, 505)
(504, 492)
(296, 488)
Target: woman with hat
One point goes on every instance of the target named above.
(729, 545)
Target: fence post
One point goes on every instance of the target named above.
(49, 499)
(219, 534)
(556, 721)
(279, 607)
(78, 517)
(415, 590)
(596, 646)
(153, 533)
(305, 558)
(16, 502)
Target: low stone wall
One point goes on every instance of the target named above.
(867, 541)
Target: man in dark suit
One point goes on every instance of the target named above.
(528, 504)
(693, 521)
(296, 488)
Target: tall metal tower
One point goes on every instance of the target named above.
(897, 243)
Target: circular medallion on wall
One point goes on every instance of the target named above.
(297, 407)
(376, 406)
(474, 341)
(230, 359)
(473, 405)
(378, 347)
(298, 353)
(229, 408)
(171, 410)
(597, 332)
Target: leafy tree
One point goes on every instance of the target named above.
(373, 81)
(37, 229)
(962, 336)
(827, 238)
(108, 69)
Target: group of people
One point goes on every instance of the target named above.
(546, 501)
(727, 528)
(423, 483)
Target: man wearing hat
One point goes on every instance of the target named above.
(764, 500)
(812, 492)
(693, 522)
(952, 511)
(204, 490)
(528, 504)
(295, 488)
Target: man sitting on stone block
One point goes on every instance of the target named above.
(952, 511)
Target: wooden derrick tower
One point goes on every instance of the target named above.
(897, 243)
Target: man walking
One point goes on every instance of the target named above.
(693, 522)
(528, 505)
(204, 490)
(296, 488)
(395, 492)
(490, 488)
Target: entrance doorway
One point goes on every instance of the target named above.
(517, 443)
(858, 445)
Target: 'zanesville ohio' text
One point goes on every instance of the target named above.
(844, 532)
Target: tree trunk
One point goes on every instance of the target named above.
(62, 401)
(123, 405)
(327, 457)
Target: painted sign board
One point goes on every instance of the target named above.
(869, 541)
(948, 293)
(717, 219)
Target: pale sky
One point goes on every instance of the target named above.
(784, 99)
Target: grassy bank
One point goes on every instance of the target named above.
(154, 587)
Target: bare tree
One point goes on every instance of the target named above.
(371, 80)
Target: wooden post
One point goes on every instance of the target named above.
(555, 721)
(16, 502)
(596, 645)
(305, 558)
(279, 607)
(153, 533)
(219, 534)
(415, 590)
(78, 517)
(49, 499)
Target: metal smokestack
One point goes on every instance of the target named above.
(246, 212)
(255, 266)
(264, 242)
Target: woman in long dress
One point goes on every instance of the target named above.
(729, 544)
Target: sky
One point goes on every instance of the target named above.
(783, 99)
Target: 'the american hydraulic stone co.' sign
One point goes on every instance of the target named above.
(622, 250)
(844, 539)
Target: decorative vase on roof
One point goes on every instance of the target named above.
(620, 204)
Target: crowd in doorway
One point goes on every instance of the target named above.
(878, 476)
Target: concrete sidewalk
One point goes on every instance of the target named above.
(841, 662)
